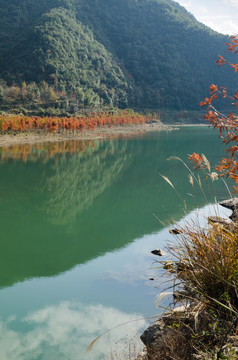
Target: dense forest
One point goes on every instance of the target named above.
(79, 54)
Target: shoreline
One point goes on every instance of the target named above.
(36, 137)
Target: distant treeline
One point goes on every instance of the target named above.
(44, 99)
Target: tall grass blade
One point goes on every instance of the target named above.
(167, 180)
(90, 346)
(161, 222)
(170, 183)
(218, 302)
(191, 173)
(227, 188)
(206, 162)
(161, 296)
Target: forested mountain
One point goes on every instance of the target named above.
(137, 53)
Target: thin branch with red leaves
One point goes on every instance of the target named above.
(227, 124)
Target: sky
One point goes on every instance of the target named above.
(220, 15)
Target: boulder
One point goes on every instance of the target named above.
(152, 333)
(231, 204)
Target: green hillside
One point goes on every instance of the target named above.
(137, 53)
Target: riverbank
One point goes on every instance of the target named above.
(204, 321)
(40, 136)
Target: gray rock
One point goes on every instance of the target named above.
(231, 204)
(152, 333)
(234, 215)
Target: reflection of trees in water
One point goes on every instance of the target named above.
(37, 197)
(76, 180)
(43, 151)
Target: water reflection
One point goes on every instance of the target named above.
(68, 203)
(75, 182)
(70, 183)
(64, 331)
(46, 215)
(44, 151)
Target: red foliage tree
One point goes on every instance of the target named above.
(226, 123)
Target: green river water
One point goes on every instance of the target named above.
(77, 227)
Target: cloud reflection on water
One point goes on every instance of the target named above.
(64, 331)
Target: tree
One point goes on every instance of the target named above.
(225, 122)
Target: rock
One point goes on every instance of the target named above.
(175, 231)
(152, 333)
(158, 252)
(234, 216)
(231, 204)
(218, 220)
(164, 338)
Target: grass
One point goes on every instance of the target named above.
(208, 264)
(205, 265)
(207, 256)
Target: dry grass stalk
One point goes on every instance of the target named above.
(210, 262)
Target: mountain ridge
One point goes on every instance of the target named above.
(137, 53)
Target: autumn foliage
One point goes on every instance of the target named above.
(225, 123)
(21, 123)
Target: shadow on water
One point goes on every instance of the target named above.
(66, 203)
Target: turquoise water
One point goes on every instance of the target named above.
(78, 222)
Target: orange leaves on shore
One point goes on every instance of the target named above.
(21, 123)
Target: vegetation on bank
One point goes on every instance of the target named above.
(32, 99)
(219, 281)
(121, 53)
(19, 123)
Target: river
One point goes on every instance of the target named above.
(78, 223)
